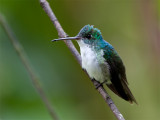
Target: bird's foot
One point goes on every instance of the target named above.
(100, 85)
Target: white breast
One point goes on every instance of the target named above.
(91, 63)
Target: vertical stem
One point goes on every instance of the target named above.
(35, 80)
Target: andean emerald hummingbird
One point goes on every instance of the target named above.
(102, 62)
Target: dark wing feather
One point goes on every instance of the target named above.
(117, 75)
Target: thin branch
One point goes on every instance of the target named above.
(21, 53)
(45, 5)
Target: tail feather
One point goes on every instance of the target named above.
(123, 91)
(128, 92)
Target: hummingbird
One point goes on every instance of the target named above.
(102, 62)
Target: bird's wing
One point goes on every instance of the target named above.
(119, 84)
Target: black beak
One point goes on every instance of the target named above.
(67, 38)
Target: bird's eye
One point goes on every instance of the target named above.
(89, 36)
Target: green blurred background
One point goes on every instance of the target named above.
(131, 26)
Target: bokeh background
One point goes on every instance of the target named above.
(131, 26)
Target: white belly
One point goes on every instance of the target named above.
(91, 63)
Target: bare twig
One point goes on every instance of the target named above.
(35, 80)
(45, 5)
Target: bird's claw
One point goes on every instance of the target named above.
(99, 85)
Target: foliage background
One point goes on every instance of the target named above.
(131, 26)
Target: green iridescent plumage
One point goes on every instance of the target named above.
(90, 31)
